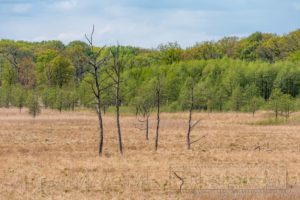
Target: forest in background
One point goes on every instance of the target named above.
(261, 71)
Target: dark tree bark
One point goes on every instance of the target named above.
(118, 113)
(144, 111)
(100, 122)
(96, 85)
(117, 80)
(147, 127)
(60, 100)
(190, 126)
(158, 96)
(104, 109)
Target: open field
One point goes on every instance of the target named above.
(55, 157)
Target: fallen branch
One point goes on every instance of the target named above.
(181, 179)
(258, 147)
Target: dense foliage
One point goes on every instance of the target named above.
(239, 74)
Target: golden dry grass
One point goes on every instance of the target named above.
(55, 157)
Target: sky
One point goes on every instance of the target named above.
(145, 23)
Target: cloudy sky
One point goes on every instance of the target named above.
(145, 23)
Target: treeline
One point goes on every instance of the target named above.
(239, 74)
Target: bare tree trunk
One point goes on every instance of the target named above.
(190, 126)
(147, 127)
(136, 112)
(60, 100)
(73, 104)
(158, 114)
(118, 101)
(189, 130)
(100, 126)
(7, 97)
(104, 109)
(118, 118)
(117, 79)
(48, 89)
(276, 112)
(96, 85)
(97, 94)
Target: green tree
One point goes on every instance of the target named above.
(78, 52)
(287, 105)
(19, 97)
(170, 53)
(33, 104)
(62, 74)
(205, 50)
(281, 104)
(275, 101)
(237, 99)
(62, 71)
(252, 99)
(288, 78)
(8, 81)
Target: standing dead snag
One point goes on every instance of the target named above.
(95, 67)
(158, 96)
(116, 78)
(188, 136)
(144, 103)
(145, 113)
(190, 87)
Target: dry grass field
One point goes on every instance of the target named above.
(55, 157)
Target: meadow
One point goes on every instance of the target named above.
(233, 156)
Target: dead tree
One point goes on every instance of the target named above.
(116, 78)
(191, 125)
(158, 101)
(95, 68)
(144, 103)
(144, 111)
(146, 115)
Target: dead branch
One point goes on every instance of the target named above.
(90, 40)
(195, 123)
(181, 179)
(110, 75)
(258, 147)
(199, 139)
(92, 87)
(105, 88)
